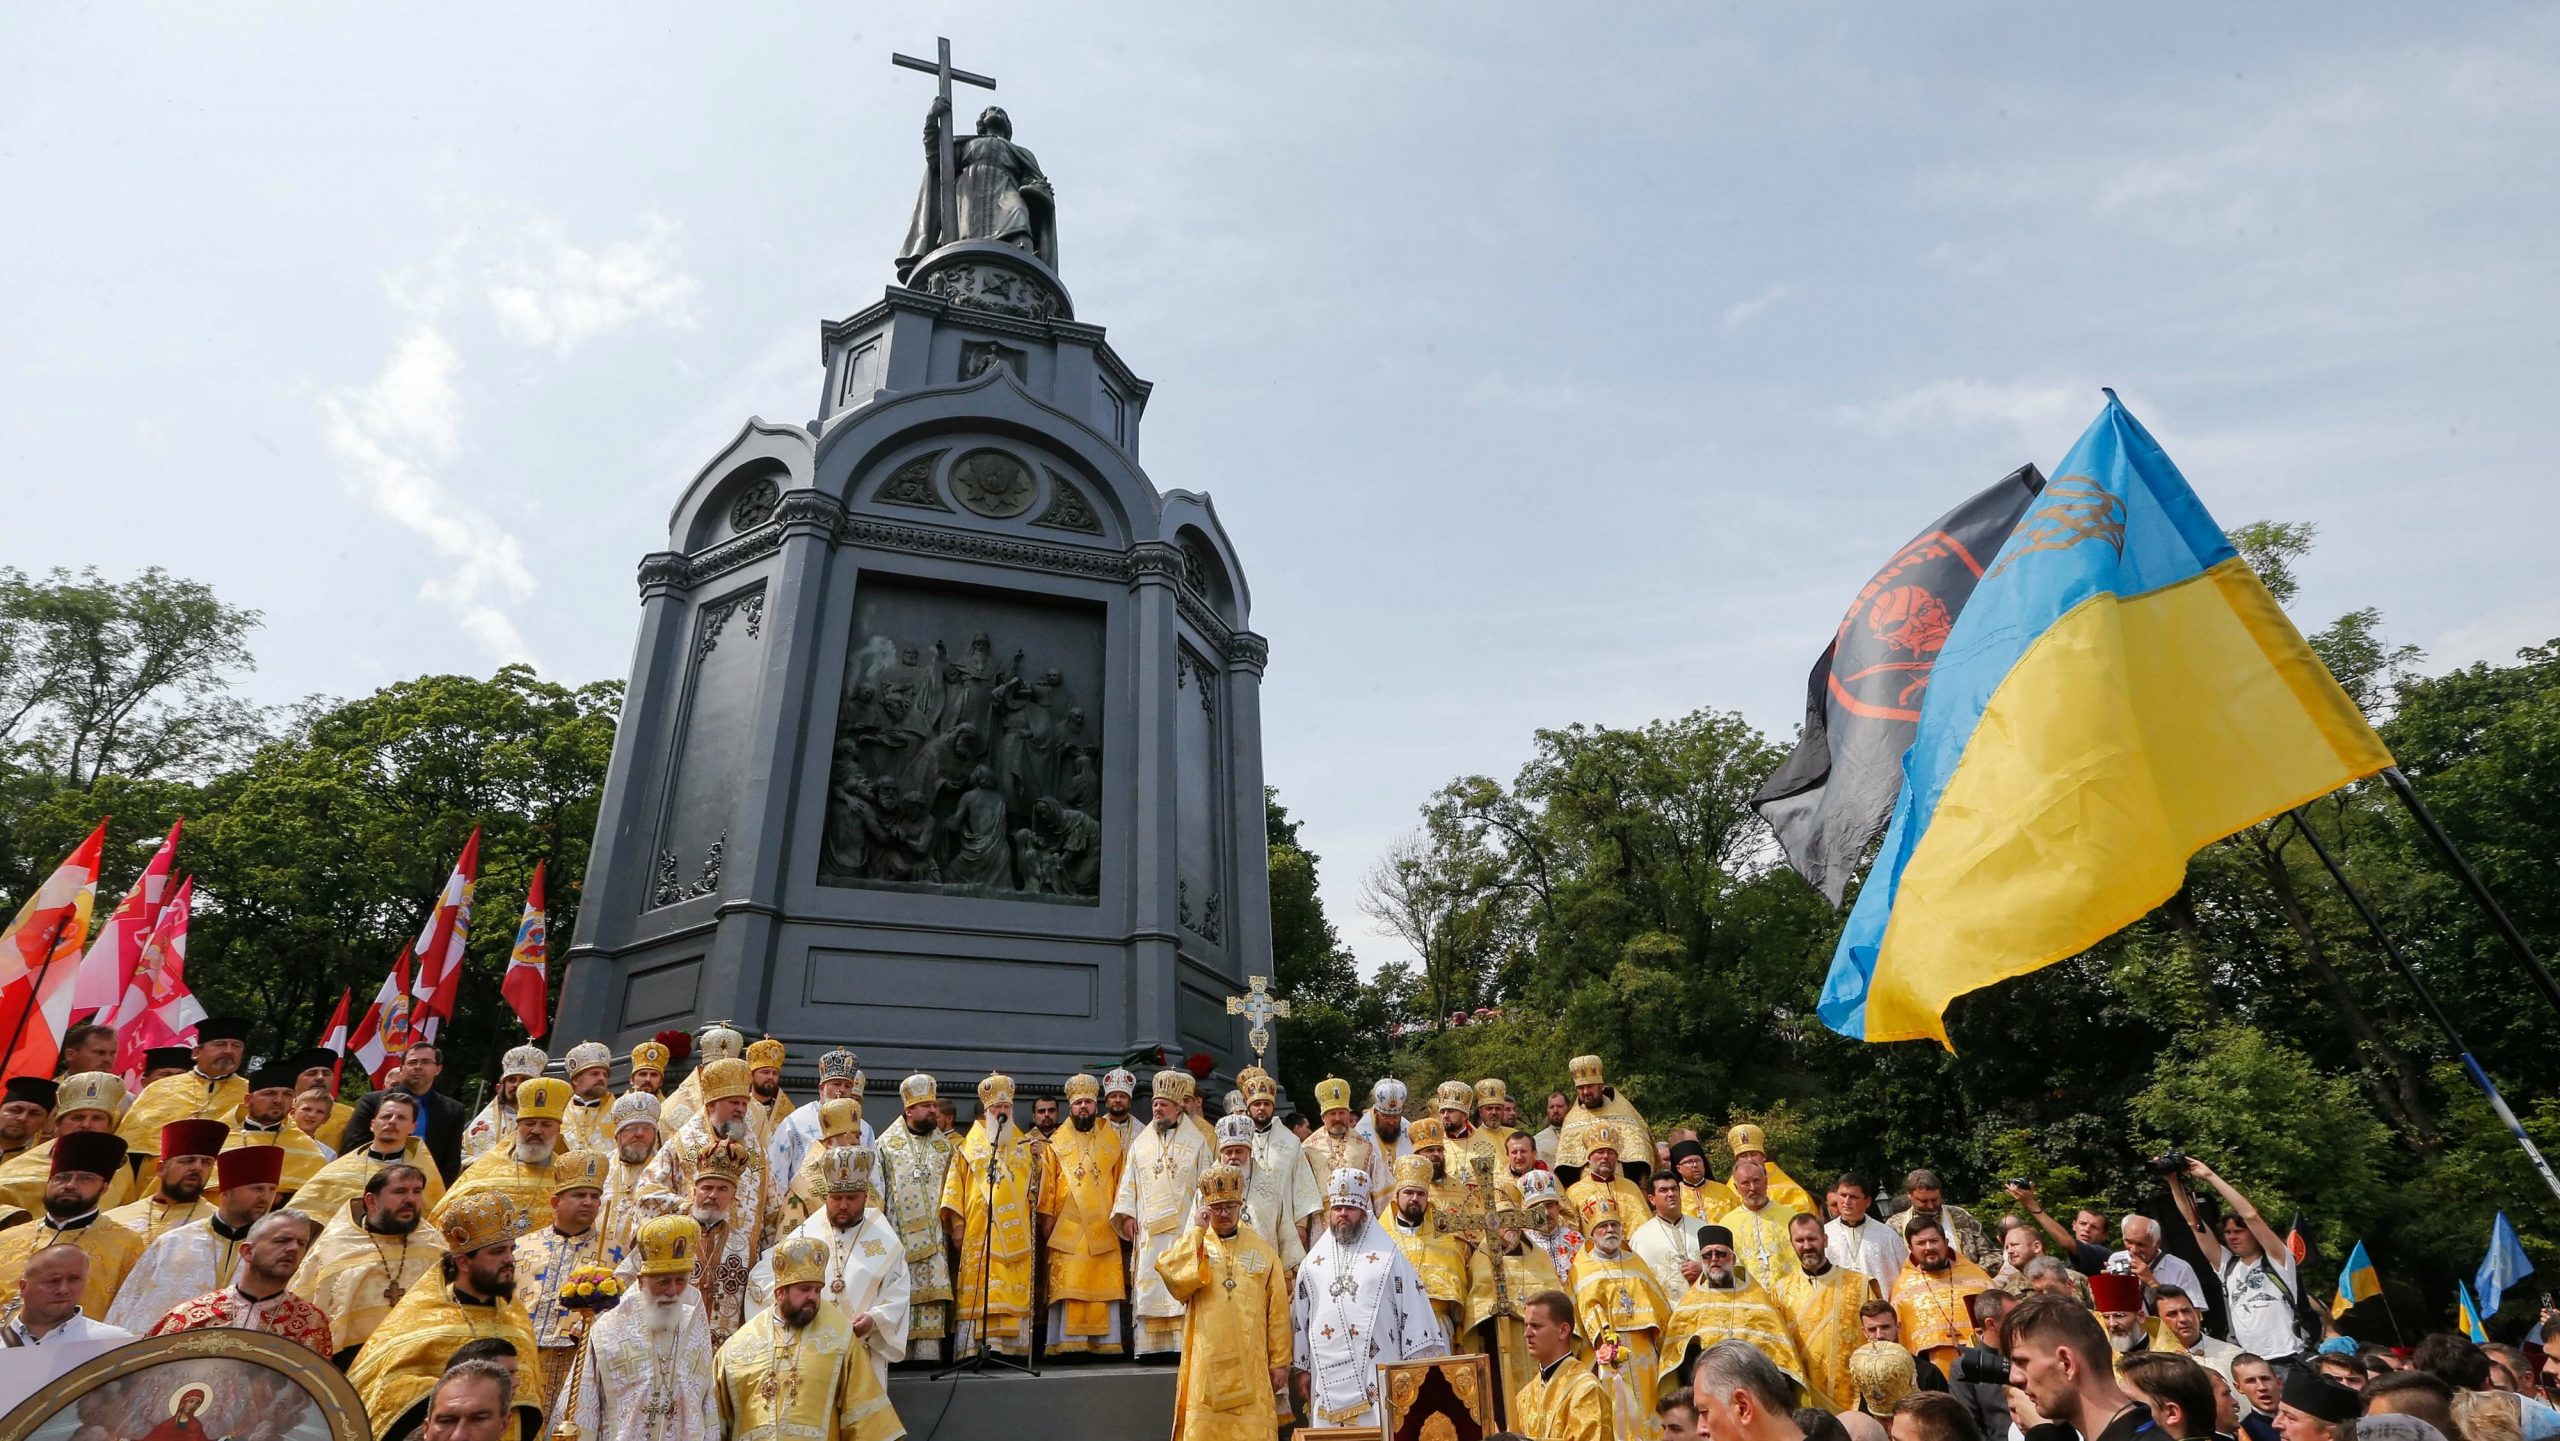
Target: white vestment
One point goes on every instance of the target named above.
(1875, 1249)
(633, 1387)
(794, 1141)
(1394, 1151)
(1357, 1307)
(866, 1276)
(1356, 1151)
(1663, 1245)
(186, 1262)
(1160, 1188)
(1299, 1192)
(494, 1124)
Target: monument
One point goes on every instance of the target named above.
(943, 733)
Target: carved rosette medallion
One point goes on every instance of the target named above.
(994, 484)
(756, 504)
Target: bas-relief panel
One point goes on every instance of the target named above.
(1199, 812)
(968, 746)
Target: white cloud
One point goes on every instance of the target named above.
(394, 435)
(567, 296)
(1501, 392)
(1743, 312)
(2035, 409)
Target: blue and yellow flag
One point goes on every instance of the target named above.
(2356, 1283)
(2120, 692)
(2467, 1314)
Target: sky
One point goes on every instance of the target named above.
(1546, 363)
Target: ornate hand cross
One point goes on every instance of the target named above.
(946, 171)
(1260, 1008)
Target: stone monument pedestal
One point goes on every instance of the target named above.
(943, 733)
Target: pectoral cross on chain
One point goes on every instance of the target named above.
(947, 170)
(1260, 1008)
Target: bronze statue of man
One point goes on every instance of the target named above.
(1000, 192)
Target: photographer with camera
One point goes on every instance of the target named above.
(1981, 1376)
(2258, 1278)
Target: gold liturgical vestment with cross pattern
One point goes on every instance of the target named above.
(999, 1242)
(1084, 1250)
(812, 1384)
(1235, 1328)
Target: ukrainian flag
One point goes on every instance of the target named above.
(2356, 1283)
(2120, 692)
(2468, 1315)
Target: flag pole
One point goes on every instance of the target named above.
(2427, 998)
(35, 987)
(2498, 918)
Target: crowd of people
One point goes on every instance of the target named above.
(715, 1260)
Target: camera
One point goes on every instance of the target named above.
(2167, 1163)
(1981, 1366)
(2016, 1183)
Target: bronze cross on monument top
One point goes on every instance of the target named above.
(1260, 1008)
(946, 172)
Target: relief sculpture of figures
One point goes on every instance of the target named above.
(959, 772)
(997, 186)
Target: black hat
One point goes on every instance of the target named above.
(275, 1074)
(97, 1152)
(222, 1028)
(1714, 1235)
(1683, 1150)
(161, 1058)
(36, 1090)
(2320, 1398)
(320, 1056)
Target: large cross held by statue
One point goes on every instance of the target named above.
(946, 172)
(1260, 1008)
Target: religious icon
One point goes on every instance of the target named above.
(191, 1386)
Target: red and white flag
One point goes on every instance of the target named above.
(527, 984)
(157, 1009)
(334, 1040)
(39, 959)
(443, 941)
(108, 967)
(386, 1030)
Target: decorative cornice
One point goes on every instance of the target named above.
(662, 571)
(1204, 620)
(730, 554)
(810, 508)
(974, 545)
(1248, 651)
(1155, 559)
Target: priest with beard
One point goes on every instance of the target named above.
(1357, 1304)
(1266, 1191)
(648, 1074)
(1088, 1290)
(1821, 1299)
(473, 1298)
(767, 1106)
(496, 1123)
(1497, 1299)
(648, 1371)
(1437, 1257)
(796, 1139)
(1119, 1093)
(1615, 1296)
(838, 1123)
(1383, 1124)
(914, 1157)
(1281, 1160)
(369, 1255)
(1159, 1184)
(718, 1042)
(720, 1169)
(997, 1199)
(867, 1276)
(86, 1101)
(1727, 1303)
(1337, 1144)
(724, 1092)
(521, 1169)
(81, 1162)
(589, 1124)
(1236, 1298)
(258, 1297)
(210, 1088)
(1596, 1101)
(795, 1372)
(187, 1149)
(1933, 1298)
(203, 1255)
(392, 1141)
(632, 1141)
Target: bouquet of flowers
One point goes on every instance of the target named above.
(1608, 1354)
(591, 1288)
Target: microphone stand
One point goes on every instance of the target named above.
(981, 1357)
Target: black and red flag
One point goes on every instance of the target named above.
(1831, 798)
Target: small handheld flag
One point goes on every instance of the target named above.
(2120, 691)
(2466, 1314)
(2356, 1283)
(527, 985)
(2505, 1265)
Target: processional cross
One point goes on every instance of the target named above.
(1260, 1008)
(946, 172)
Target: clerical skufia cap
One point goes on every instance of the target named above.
(32, 1090)
(192, 1138)
(167, 1058)
(97, 1152)
(275, 1076)
(2315, 1395)
(222, 1028)
(2114, 1291)
(249, 1166)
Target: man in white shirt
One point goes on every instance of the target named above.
(2143, 1259)
(49, 1303)
(1667, 1242)
(1858, 1240)
(2176, 1309)
(2258, 1278)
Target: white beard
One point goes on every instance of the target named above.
(665, 1318)
(535, 1153)
(634, 1153)
(732, 1130)
(709, 1216)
